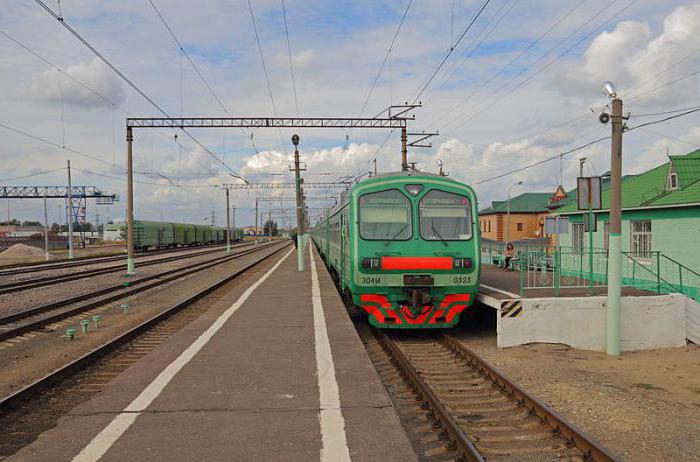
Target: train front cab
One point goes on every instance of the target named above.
(416, 253)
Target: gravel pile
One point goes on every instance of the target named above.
(19, 251)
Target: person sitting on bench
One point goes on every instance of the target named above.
(510, 254)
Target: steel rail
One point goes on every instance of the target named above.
(20, 396)
(591, 449)
(160, 279)
(26, 284)
(34, 267)
(458, 439)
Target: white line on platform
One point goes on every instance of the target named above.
(504, 292)
(334, 443)
(121, 423)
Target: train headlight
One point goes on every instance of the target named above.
(463, 263)
(370, 263)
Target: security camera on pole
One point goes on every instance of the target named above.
(612, 344)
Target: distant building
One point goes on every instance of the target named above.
(253, 231)
(527, 212)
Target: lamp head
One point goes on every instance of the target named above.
(295, 140)
(609, 89)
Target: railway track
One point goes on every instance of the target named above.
(34, 318)
(22, 268)
(26, 284)
(36, 407)
(460, 407)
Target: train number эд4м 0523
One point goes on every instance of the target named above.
(462, 280)
(371, 280)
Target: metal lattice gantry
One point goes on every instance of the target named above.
(266, 122)
(55, 192)
(284, 186)
(396, 120)
(292, 199)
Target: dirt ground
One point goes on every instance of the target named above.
(644, 406)
(93, 251)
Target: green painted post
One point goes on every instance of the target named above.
(591, 290)
(680, 276)
(658, 273)
(557, 272)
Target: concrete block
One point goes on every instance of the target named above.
(646, 322)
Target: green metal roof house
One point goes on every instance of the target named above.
(660, 220)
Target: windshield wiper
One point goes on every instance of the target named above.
(394, 236)
(438, 235)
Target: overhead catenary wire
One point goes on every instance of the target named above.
(478, 108)
(585, 145)
(452, 48)
(524, 51)
(264, 67)
(102, 58)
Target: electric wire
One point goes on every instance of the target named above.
(585, 145)
(524, 51)
(452, 48)
(129, 82)
(478, 109)
(264, 67)
(289, 53)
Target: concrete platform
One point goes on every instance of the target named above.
(647, 320)
(253, 386)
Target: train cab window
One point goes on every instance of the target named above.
(445, 216)
(385, 216)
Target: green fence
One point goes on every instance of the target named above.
(541, 267)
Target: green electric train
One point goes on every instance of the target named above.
(405, 247)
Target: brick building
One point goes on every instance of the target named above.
(527, 212)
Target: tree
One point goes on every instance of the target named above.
(270, 228)
(55, 228)
(32, 223)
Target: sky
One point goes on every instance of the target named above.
(521, 85)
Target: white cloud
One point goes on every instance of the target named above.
(637, 61)
(53, 87)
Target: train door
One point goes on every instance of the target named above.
(160, 239)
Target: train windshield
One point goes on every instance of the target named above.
(385, 216)
(445, 217)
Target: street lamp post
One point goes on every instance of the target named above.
(508, 211)
(612, 344)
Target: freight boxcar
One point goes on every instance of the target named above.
(153, 234)
(184, 234)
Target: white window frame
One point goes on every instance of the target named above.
(640, 240)
(606, 236)
(578, 234)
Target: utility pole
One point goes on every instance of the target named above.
(228, 223)
(612, 344)
(70, 215)
(404, 150)
(300, 205)
(589, 217)
(233, 217)
(256, 220)
(129, 204)
(269, 222)
(375, 166)
(46, 229)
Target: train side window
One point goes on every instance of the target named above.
(385, 216)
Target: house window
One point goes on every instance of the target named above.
(520, 226)
(606, 236)
(577, 233)
(640, 239)
(489, 226)
(673, 181)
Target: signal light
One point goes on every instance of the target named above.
(370, 263)
(463, 263)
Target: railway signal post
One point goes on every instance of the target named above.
(612, 344)
(129, 203)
